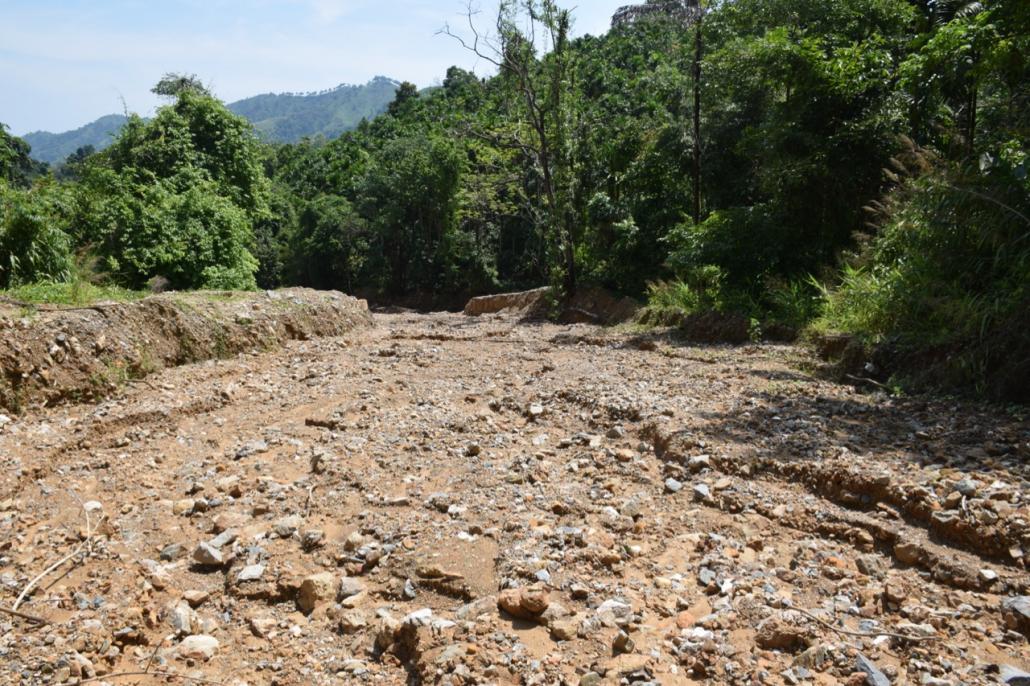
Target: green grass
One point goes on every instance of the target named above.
(70, 294)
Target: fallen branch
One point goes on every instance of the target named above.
(158, 673)
(861, 634)
(86, 547)
(874, 382)
(30, 618)
(32, 584)
(150, 662)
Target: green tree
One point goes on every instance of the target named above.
(17, 168)
(178, 197)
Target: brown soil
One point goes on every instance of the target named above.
(644, 511)
(83, 353)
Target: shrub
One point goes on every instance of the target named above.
(33, 246)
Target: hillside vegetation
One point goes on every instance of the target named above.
(853, 166)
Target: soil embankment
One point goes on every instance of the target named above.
(51, 355)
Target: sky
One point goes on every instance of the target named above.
(64, 63)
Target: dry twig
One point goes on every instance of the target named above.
(30, 618)
(860, 634)
(157, 673)
(84, 547)
(32, 584)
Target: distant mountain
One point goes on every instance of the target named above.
(287, 117)
(283, 117)
(55, 147)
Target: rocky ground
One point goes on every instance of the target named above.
(458, 500)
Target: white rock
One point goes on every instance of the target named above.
(419, 617)
(251, 573)
(199, 647)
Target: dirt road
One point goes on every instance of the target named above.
(455, 500)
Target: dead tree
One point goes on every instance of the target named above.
(542, 85)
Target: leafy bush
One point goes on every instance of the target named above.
(946, 283)
(33, 247)
(183, 231)
(177, 197)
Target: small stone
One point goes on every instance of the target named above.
(699, 463)
(181, 618)
(908, 553)
(673, 486)
(702, 492)
(229, 520)
(172, 552)
(524, 603)
(312, 539)
(776, 634)
(871, 565)
(349, 587)
(316, 589)
(1016, 612)
(625, 455)
(230, 485)
(250, 573)
(591, 679)
(227, 537)
(1010, 676)
(418, 618)
(183, 507)
(199, 647)
(287, 526)
(80, 666)
(685, 620)
(195, 598)
(564, 629)
(873, 676)
(354, 541)
(623, 643)
(208, 556)
(353, 621)
(262, 626)
(967, 487)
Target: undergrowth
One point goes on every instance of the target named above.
(70, 294)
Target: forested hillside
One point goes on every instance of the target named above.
(854, 166)
(277, 117)
(56, 147)
(289, 117)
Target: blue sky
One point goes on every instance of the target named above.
(63, 63)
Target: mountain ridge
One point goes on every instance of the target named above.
(278, 117)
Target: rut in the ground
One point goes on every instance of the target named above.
(445, 499)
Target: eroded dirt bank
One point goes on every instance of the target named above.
(82, 353)
(456, 500)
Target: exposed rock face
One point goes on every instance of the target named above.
(490, 304)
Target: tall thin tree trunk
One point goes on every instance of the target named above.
(972, 102)
(698, 51)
